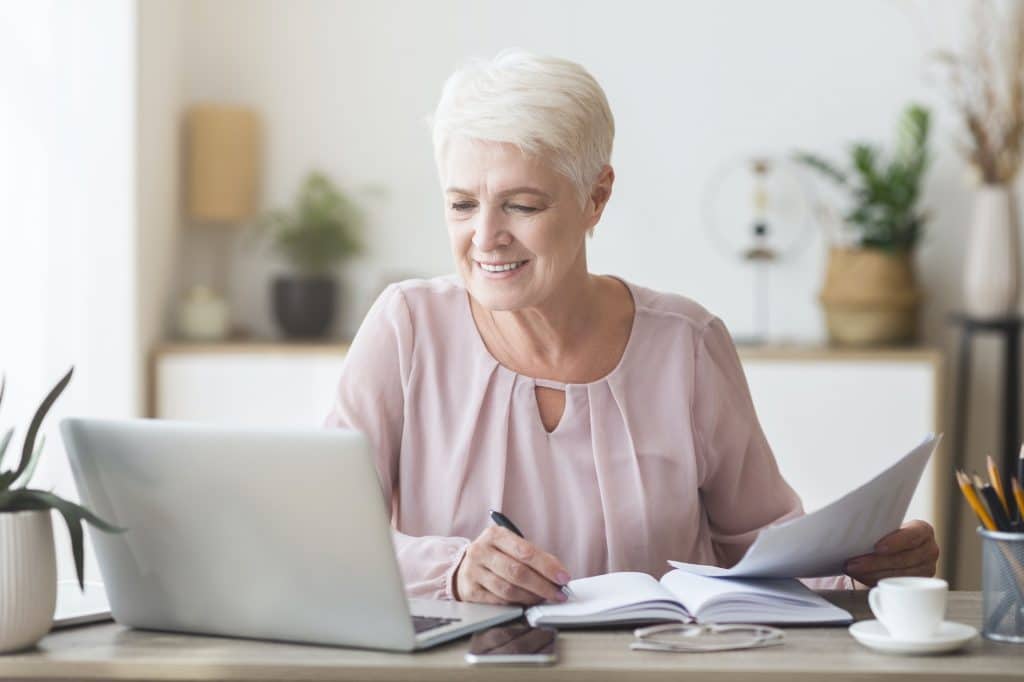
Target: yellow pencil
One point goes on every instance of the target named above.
(990, 501)
(1018, 494)
(997, 484)
(973, 501)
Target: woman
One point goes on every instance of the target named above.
(611, 422)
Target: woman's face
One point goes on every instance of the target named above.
(516, 227)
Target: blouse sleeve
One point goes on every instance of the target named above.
(741, 487)
(371, 399)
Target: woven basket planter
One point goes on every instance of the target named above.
(870, 297)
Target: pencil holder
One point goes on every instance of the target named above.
(1002, 585)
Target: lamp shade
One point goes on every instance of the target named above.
(222, 150)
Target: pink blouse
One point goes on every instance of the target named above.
(661, 459)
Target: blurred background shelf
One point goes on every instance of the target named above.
(255, 384)
(252, 347)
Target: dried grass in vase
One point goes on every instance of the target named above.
(987, 88)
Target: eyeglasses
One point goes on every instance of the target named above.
(692, 637)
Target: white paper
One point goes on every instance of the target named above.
(820, 543)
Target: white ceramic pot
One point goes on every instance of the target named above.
(992, 265)
(203, 315)
(28, 578)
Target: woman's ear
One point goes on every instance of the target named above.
(601, 193)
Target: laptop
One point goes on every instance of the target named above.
(279, 534)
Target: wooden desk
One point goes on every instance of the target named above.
(111, 652)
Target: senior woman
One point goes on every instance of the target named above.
(611, 422)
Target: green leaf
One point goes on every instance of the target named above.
(4, 443)
(321, 229)
(60, 503)
(886, 192)
(821, 165)
(864, 157)
(74, 524)
(74, 514)
(912, 134)
(24, 479)
(37, 420)
(7, 436)
(6, 477)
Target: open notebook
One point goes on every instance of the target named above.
(629, 597)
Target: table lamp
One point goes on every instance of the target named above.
(222, 159)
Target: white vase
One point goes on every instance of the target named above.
(28, 578)
(992, 264)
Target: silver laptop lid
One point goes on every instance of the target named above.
(242, 532)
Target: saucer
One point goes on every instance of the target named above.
(950, 637)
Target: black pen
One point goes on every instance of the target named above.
(506, 522)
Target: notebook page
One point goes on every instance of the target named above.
(759, 600)
(604, 593)
(695, 591)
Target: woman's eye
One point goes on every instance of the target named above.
(523, 209)
(462, 206)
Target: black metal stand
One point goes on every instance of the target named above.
(1009, 328)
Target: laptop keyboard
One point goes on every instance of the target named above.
(424, 623)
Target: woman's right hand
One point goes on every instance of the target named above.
(499, 567)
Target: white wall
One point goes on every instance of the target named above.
(345, 86)
(67, 276)
(158, 107)
(88, 181)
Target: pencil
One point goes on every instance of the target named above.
(995, 508)
(997, 484)
(972, 500)
(1020, 471)
(1018, 494)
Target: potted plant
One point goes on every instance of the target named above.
(319, 232)
(871, 295)
(987, 90)
(28, 566)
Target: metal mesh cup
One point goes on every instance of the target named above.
(1002, 585)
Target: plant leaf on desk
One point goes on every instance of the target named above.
(25, 499)
(74, 514)
(33, 429)
(24, 479)
(5, 442)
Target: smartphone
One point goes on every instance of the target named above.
(517, 644)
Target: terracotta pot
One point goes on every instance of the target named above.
(870, 297)
(28, 578)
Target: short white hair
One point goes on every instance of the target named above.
(545, 106)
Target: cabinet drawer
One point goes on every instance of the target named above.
(265, 389)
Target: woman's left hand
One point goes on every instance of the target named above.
(909, 551)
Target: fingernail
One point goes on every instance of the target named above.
(562, 578)
(560, 596)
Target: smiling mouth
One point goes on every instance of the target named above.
(501, 267)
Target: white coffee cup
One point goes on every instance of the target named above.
(909, 608)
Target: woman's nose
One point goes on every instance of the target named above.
(489, 232)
